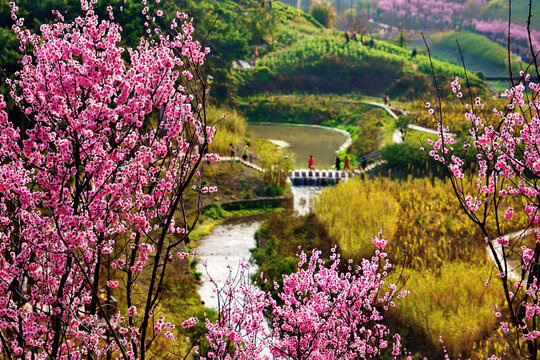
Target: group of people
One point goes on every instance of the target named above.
(352, 36)
(346, 163)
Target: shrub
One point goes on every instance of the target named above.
(324, 14)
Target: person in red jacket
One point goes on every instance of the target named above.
(346, 164)
(311, 163)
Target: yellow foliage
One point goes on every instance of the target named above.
(421, 218)
(229, 130)
(353, 212)
(452, 304)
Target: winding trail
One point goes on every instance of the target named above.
(243, 162)
(397, 137)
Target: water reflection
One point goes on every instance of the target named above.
(304, 141)
(222, 251)
(303, 198)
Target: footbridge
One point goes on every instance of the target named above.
(305, 177)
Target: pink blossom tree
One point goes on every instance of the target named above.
(93, 201)
(507, 149)
(323, 313)
(429, 13)
(89, 192)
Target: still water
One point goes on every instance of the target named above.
(229, 243)
(303, 141)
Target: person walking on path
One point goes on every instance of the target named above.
(346, 164)
(245, 153)
(231, 148)
(363, 162)
(346, 37)
(311, 164)
(386, 100)
(338, 163)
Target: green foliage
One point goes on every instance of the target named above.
(214, 212)
(323, 62)
(274, 191)
(401, 41)
(402, 122)
(324, 14)
(479, 52)
(285, 14)
(405, 156)
(278, 240)
(276, 164)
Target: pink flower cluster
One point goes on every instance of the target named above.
(323, 313)
(500, 27)
(429, 12)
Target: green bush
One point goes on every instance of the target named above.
(324, 14)
(214, 212)
(406, 157)
(274, 191)
(278, 240)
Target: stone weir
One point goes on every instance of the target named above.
(318, 177)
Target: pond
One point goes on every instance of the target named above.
(305, 140)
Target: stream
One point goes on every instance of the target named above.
(229, 243)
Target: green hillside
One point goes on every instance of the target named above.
(498, 9)
(479, 52)
(307, 58)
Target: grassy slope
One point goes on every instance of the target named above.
(307, 58)
(479, 53)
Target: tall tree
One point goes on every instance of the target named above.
(96, 182)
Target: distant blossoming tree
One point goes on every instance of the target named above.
(91, 188)
(429, 13)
